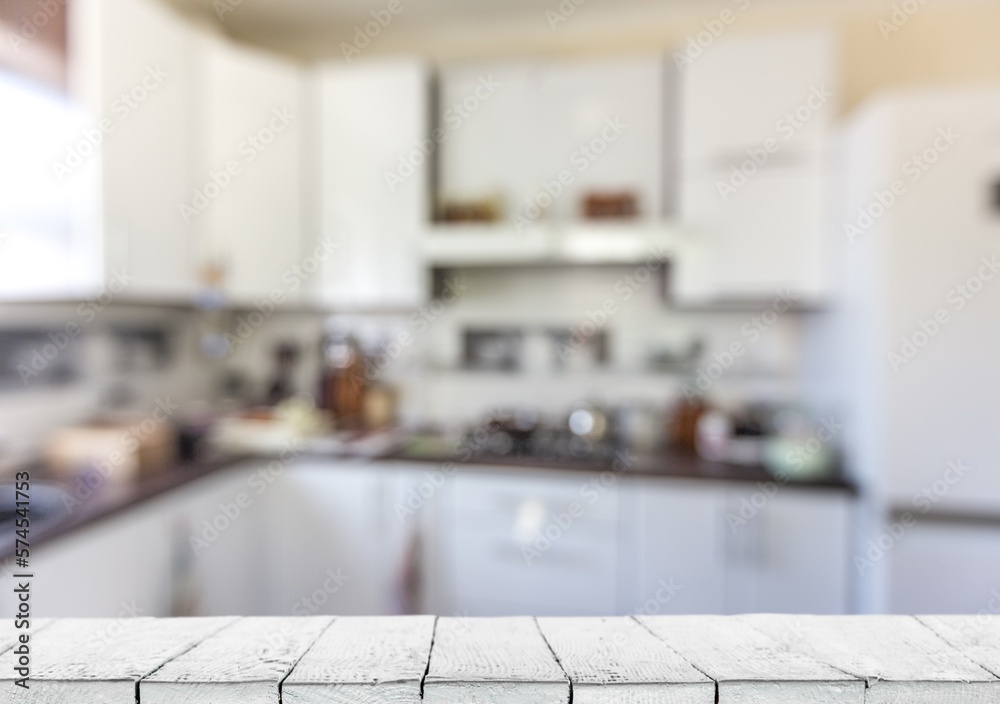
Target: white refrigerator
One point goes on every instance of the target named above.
(909, 352)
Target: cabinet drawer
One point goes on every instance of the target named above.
(509, 493)
(531, 517)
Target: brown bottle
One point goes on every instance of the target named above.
(344, 384)
(683, 425)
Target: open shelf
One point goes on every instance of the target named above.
(497, 244)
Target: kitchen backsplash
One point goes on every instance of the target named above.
(63, 362)
(601, 333)
(562, 335)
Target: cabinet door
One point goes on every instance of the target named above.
(945, 568)
(252, 121)
(198, 550)
(788, 550)
(674, 534)
(740, 91)
(537, 544)
(413, 545)
(762, 240)
(219, 552)
(756, 115)
(103, 571)
(133, 66)
(326, 541)
(373, 179)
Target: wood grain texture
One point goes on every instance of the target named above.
(9, 633)
(903, 661)
(100, 661)
(243, 663)
(750, 666)
(756, 659)
(493, 661)
(616, 660)
(361, 660)
(977, 637)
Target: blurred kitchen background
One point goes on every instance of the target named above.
(578, 307)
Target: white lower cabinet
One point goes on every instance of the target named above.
(942, 567)
(327, 525)
(337, 536)
(541, 544)
(188, 552)
(356, 537)
(411, 547)
(300, 537)
(559, 543)
(701, 547)
(217, 527)
(102, 572)
(788, 550)
(677, 534)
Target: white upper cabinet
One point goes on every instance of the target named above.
(742, 92)
(536, 138)
(373, 181)
(754, 170)
(246, 200)
(765, 239)
(606, 115)
(546, 133)
(131, 63)
(195, 147)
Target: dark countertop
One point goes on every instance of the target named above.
(667, 464)
(114, 499)
(80, 510)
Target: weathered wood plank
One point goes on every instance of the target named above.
(361, 660)
(903, 661)
(493, 661)
(244, 663)
(100, 661)
(751, 667)
(617, 661)
(9, 633)
(977, 637)
(759, 659)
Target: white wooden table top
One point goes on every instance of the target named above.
(754, 659)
